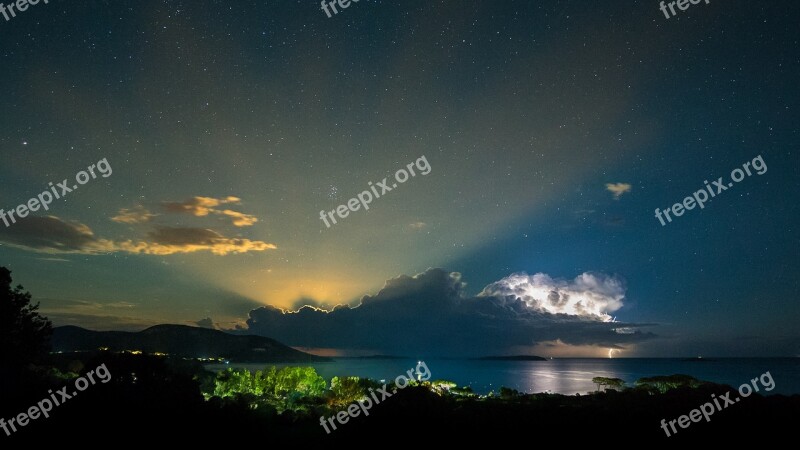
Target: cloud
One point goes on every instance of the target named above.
(306, 301)
(590, 295)
(93, 315)
(100, 322)
(430, 315)
(137, 214)
(203, 206)
(198, 206)
(618, 189)
(171, 240)
(206, 323)
(50, 234)
(84, 306)
(240, 219)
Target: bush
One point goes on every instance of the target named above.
(664, 383)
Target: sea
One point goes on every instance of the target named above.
(567, 376)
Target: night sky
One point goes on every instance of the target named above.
(552, 131)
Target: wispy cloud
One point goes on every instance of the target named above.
(171, 240)
(618, 189)
(50, 234)
(137, 214)
(204, 206)
(240, 219)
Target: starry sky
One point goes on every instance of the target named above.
(552, 130)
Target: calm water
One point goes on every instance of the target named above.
(564, 376)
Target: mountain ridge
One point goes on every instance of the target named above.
(182, 341)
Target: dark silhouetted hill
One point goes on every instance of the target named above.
(181, 341)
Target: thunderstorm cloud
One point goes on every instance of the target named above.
(430, 314)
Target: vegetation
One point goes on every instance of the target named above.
(443, 386)
(610, 382)
(347, 390)
(290, 388)
(508, 393)
(662, 384)
(24, 333)
(147, 395)
(151, 396)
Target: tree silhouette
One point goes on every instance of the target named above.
(611, 382)
(24, 333)
(665, 383)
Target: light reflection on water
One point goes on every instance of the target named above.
(564, 376)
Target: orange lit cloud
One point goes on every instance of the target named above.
(203, 206)
(618, 189)
(168, 241)
(240, 219)
(51, 234)
(137, 214)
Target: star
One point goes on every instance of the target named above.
(333, 192)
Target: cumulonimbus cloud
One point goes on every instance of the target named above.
(591, 295)
(50, 234)
(430, 314)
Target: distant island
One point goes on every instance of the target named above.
(373, 357)
(181, 341)
(512, 358)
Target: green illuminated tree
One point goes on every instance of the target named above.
(610, 382)
(296, 381)
(664, 383)
(303, 380)
(347, 390)
(233, 381)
